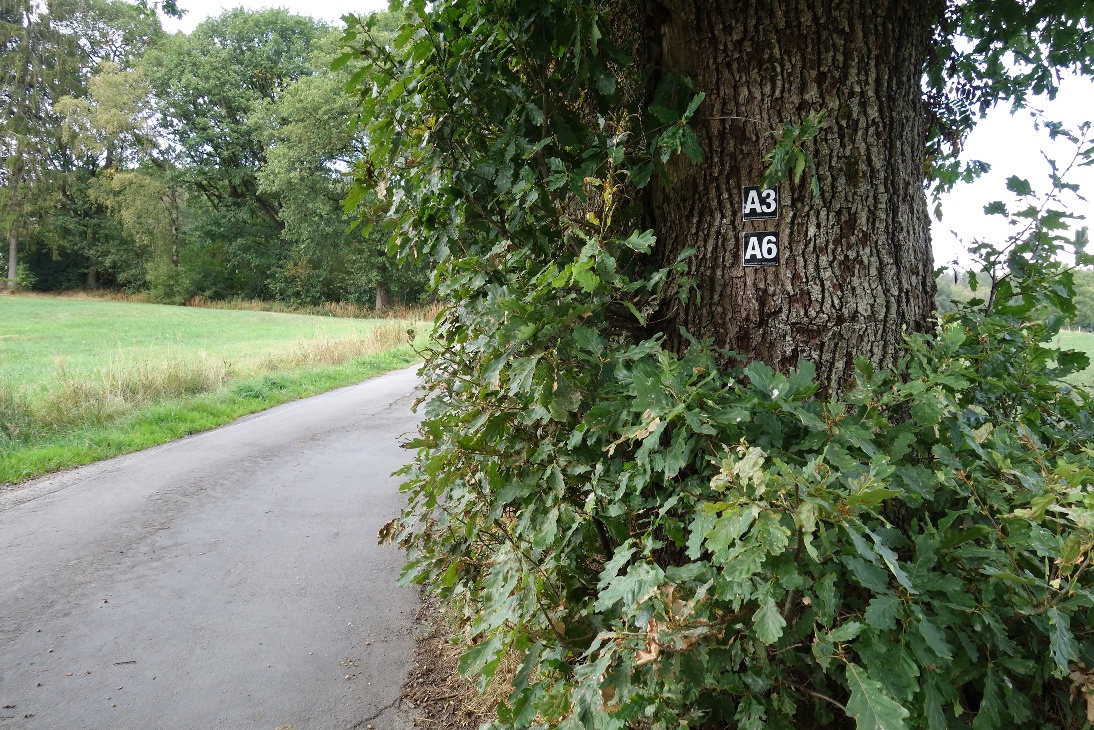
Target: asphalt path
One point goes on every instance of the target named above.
(228, 580)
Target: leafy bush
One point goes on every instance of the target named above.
(24, 278)
(690, 545)
(689, 540)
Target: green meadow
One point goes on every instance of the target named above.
(83, 380)
(1083, 341)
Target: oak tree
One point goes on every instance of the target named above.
(899, 84)
(211, 87)
(686, 492)
(310, 147)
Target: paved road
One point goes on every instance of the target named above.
(228, 580)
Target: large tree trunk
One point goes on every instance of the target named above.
(855, 267)
(383, 301)
(13, 257)
(174, 207)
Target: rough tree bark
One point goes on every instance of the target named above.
(13, 258)
(383, 300)
(16, 177)
(856, 266)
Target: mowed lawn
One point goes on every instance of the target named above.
(83, 380)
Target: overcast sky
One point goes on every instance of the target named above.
(1013, 147)
(1008, 142)
(328, 10)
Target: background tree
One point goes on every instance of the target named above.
(311, 149)
(36, 69)
(211, 89)
(106, 128)
(1084, 299)
(110, 31)
(112, 128)
(62, 43)
(208, 164)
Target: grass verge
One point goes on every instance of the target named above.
(85, 380)
(434, 693)
(158, 422)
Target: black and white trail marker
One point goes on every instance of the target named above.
(761, 248)
(760, 204)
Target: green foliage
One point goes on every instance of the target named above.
(667, 543)
(48, 58)
(1027, 276)
(36, 69)
(108, 127)
(211, 87)
(955, 288)
(80, 227)
(1044, 236)
(328, 258)
(987, 51)
(305, 153)
(112, 32)
(205, 164)
(24, 277)
(900, 552)
(789, 157)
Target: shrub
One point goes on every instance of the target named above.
(15, 414)
(692, 547)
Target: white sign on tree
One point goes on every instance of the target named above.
(761, 248)
(760, 204)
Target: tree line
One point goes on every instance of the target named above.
(210, 164)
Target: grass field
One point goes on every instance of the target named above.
(82, 380)
(42, 338)
(1080, 341)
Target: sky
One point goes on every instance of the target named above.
(1008, 142)
(328, 10)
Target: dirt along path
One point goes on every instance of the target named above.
(228, 580)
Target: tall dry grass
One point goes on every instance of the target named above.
(92, 295)
(335, 350)
(343, 310)
(91, 399)
(16, 419)
(327, 309)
